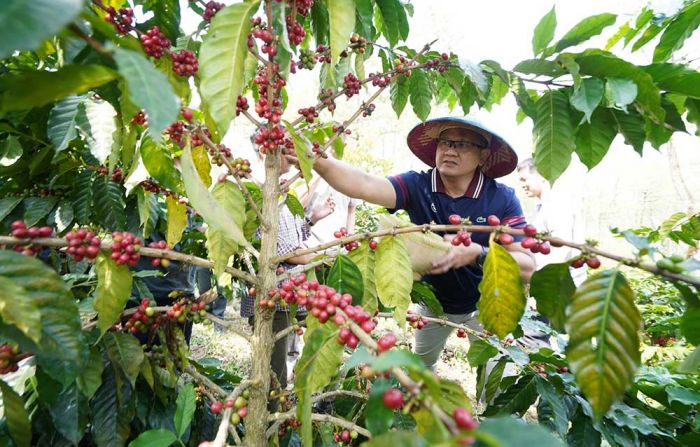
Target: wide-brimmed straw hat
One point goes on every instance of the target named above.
(422, 140)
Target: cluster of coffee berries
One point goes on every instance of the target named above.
(307, 59)
(196, 140)
(416, 321)
(386, 342)
(263, 109)
(185, 63)
(326, 98)
(502, 237)
(303, 6)
(153, 187)
(144, 319)
(351, 85)
(462, 237)
(160, 262)
(242, 166)
(211, 9)
(672, 264)
(263, 34)
(592, 262)
(219, 154)
(269, 139)
(83, 244)
(350, 246)
(123, 20)
(532, 243)
(393, 399)
(117, 175)
(379, 80)
(20, 231)
(345, 436)
(126, 248)
(10, 356)
(310, 114)
(402, 65)
(295, 31)
(186, 308)
(241, 104)
(154, 42)
(175, 131)
(292, 423)
(367, 110)
(140, 118)
(358, 43)
(438, 63)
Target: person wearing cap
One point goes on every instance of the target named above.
(465, 158)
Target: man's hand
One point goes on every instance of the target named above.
(322, 209)
(457, 256)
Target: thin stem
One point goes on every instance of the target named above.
(249, 197)
(145, 251)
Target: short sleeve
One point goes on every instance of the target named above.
(404, 185)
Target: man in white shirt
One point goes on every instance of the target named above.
(554, 213)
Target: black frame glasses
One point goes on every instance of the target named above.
(459, 144)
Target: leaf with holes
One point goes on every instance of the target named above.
(62, 122)
(502, 301)
(113, 290)
(603, 350)
(222, 60)
(363, 257)
(318, 363)
(61, 351)
(421, 93)
(552, 288)
(394, 277)
(345, 277)
(214, 213)
(149, 89)
(553, 135)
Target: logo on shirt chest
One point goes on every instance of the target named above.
(433, 208)
(480, 219)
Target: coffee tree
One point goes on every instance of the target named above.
(100, 151)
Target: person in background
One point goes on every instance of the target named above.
(555, 214)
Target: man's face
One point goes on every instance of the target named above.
(531, 182)
(458, 162)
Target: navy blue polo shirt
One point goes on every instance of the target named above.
(423, 196)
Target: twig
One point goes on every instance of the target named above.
(252, 119)
(555, 241)
(220, 439)
(233, 171)
(97, 46)
(145, 251)
(246, 260)
(355, 115)
(303, 268)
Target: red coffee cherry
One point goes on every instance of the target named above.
(529, 230)
(455, 219)
(393, 399)
(386, 342)
(593, 263)
(493, 220)
(464, 419)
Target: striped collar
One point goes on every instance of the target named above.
(473, 190)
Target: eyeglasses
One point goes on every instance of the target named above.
(459, 144)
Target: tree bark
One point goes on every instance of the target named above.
(262, 340)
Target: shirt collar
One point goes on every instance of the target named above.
(473, 190)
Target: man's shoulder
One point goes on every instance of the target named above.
(413, 176)
(497, 188)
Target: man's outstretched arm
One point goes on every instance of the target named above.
(355, 183)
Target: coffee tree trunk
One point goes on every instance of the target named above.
(263, 337)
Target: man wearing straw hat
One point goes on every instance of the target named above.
(465, 158)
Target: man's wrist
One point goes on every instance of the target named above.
(481, 259)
